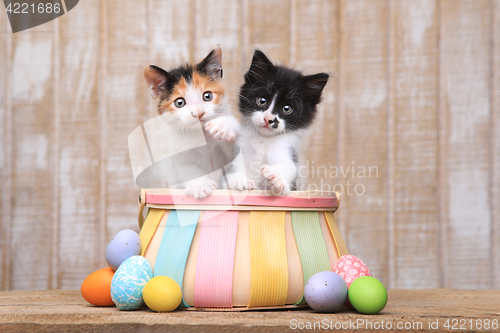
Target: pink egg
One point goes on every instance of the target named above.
(350, 268)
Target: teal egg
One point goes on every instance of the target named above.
(367, 295)
(128, 282)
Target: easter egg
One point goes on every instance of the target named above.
(122, 246)
(368, 295)
(351, 268)
(162, 294)
(96, 288)
(128, 282)
(325, 292)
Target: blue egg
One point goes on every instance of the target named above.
(124, 245)
(129, 281)
(325, 292)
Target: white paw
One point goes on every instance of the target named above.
(200, 190)
(220, 130)
(242, 184)
(273, 177)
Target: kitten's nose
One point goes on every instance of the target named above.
(269, 119)
(198, 112)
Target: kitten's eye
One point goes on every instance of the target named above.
(179, 102)
(261, 101)
(208, 96)
(287, 109)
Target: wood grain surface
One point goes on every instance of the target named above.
(365, 134)
(495, 142)
(32, 87)
(419, 310)
(414, 93)
(322, 19)
(6, 179)
(79, 144)
(274, 42)
(126, 45)
(414, 144)
(465, 107)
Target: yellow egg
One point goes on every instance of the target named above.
(162, 294)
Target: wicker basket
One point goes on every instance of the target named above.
(240, 250)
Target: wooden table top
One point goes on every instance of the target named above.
(422, 310)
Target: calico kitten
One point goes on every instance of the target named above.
(190, 99)
(277, 105)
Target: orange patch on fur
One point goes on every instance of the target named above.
(179, 90)
(203, 83)
(200, 82)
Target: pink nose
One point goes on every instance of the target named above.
(198, 111)
(270, 118)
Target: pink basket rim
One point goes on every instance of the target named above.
(314, 199)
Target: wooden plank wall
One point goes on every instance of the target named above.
(32, 141)
(495, 143)
(414, 142)
(408, 130)
(4, 138)
(465, 158)
(79, 145)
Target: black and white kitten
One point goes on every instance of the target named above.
(277, 106)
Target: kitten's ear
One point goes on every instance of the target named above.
(156, 79)
(260, 66)
(212, 64)
(314, 84)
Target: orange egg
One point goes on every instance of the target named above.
(96, 287)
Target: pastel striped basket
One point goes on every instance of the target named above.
(238, 251)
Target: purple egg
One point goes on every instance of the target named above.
(325, 292)
(124, 245)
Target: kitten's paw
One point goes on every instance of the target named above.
(242, 185)
(275, 180)
(220, 130)
(200, 190)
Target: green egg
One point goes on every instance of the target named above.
(367, 295)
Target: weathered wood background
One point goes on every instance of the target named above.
(414, 93)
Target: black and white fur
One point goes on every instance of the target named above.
(277, 106)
